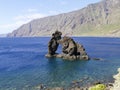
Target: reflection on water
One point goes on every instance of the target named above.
(62, 73)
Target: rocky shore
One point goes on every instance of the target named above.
(116, 84)
(75, 86)
(95, 86)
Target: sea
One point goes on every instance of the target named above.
(23, 65)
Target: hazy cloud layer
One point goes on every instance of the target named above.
(21, 19)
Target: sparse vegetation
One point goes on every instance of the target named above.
(98, 87)
(100, 19)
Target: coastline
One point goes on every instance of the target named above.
(62, 35)
(116, 84)
(94, 86)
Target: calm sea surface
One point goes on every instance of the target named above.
(23, 65)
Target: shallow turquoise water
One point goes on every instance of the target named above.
(23, 65)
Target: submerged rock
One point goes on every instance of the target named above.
(97, 59)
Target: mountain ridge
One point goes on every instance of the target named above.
(99, 19)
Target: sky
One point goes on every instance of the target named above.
(15, 13)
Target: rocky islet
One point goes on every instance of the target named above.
(71, 50)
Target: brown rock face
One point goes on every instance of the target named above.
(99, 19)
(53, 43)
(70, 49)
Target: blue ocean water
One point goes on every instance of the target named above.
(23, 65)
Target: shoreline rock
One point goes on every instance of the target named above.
(75, 85)
(116, 84)
(93, 86)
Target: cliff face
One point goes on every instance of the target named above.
(100, 19)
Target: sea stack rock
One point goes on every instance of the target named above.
(53, 44)
(71, 50)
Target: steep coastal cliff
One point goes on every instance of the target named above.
(99, 19)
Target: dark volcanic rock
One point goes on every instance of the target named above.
(53, 43)
(70, 49)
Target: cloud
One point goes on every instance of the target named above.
(29, 17)
(7, 28)
(18, 21)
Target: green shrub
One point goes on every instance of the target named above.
(98, 87)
